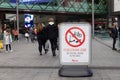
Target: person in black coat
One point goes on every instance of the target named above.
(52, 34)
(114, 34)
(41, 37)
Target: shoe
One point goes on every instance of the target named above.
(6, 51)
(40, 53)
(54, 54)
(11, 50)
(114, 49)
(46, 51)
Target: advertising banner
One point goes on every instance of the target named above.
(29, 20)
(31, 1)
(116, 5)
(75, 43)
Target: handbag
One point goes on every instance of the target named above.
(26, 34)
(1, 44)
(47, 45)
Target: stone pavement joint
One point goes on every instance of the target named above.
(55, 67)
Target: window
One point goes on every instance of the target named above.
(78, 0)
(89, 1)
(96, 1)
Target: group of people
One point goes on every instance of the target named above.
(43, 34)
(49, 32)
(30, 33)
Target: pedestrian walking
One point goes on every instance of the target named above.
(27, 36)
(32, 35)
(35, 32)
(41, 37)
(52, 34)
(7, 39)
(15, 32)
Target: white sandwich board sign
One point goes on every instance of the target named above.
(75, 43)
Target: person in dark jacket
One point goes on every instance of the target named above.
(41, 37)
(52, 34)
(114, 34)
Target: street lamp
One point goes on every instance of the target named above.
(17, 15)
(93, 21)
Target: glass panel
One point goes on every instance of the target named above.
(82, 6)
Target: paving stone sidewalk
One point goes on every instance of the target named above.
(25, 63)
(26, 55)
(52, 74)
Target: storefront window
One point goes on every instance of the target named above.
(79, 0)
(89, 1)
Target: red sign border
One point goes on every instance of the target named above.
(82, 33)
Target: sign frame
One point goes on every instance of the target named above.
(63, 27)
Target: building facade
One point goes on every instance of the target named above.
(62, 10)
(115, 11)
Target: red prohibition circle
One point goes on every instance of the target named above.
(69, 31)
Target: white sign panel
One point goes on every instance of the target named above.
(75, 43)
(116, 5)
(10, 16)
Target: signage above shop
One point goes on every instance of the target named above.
(31, 1)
